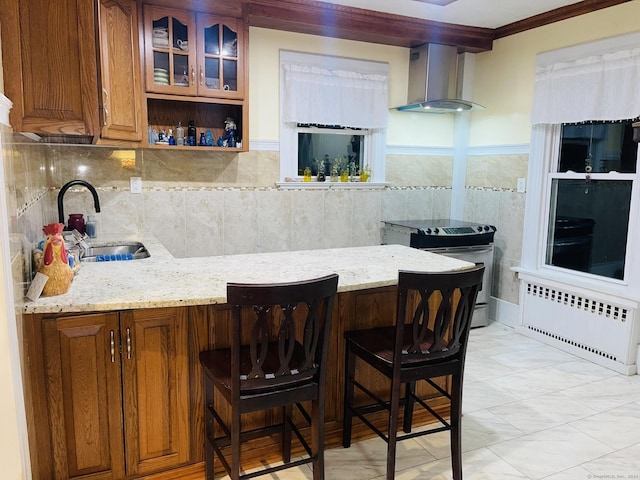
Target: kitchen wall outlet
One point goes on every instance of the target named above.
(521, 185)
(135, 184)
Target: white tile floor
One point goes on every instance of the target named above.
(530, 412)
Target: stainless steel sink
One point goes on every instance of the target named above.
(114, 252)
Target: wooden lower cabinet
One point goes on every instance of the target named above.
(116, 395)
(155, 383)
(84, 396)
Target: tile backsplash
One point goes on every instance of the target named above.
(205, 203)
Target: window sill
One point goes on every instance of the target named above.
(297, 185)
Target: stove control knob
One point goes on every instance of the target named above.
(436, 231)
(486, 228)
(428, 231)
(480, 228)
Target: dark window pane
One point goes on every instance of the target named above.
(325, 150)
(230, 75)
(606, 146)
(588, 232)
(229, 42)
(180, 32)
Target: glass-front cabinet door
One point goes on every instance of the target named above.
(170, 51)
(220, 59)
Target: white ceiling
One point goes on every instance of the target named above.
(477, 13)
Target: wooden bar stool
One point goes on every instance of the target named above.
(428, 340)
(277, 358)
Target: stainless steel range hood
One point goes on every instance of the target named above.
(436, 80)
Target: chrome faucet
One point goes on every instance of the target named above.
(66, 186)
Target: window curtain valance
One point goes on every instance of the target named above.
(603, 86)
(334, 91)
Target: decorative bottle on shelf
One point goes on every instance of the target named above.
(191, 134)
(172, 139)
(180, 134)
(203, 140)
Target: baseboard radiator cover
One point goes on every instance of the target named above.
(597, 329)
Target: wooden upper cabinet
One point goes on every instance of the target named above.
(49, 63)
(84, 402)
(193, 54)
(169, 46)
(221, 58)
(121, 91)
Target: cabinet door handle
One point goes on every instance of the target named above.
(106, 110)
(193, 76)
(128, 344)
(112, 346)
(201, 76)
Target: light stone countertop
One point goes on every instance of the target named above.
(164, 281)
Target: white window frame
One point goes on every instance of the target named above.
(374, 138)
(543, 166)
(611, 176)
(617, 104)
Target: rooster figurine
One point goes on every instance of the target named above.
(55, 264)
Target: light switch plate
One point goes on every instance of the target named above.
(135, 184)
(521, 185)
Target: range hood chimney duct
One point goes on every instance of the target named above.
(436, 75)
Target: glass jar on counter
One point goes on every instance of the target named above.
(76, 221)
(91, 227)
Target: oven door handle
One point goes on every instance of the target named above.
(459, 250)
(481, 250)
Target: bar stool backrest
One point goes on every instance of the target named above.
(292, 318)
(439, 306)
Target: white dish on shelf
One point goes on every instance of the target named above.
(212, 82)
(160, 42)
(160, 32)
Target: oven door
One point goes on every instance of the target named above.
(475, 254)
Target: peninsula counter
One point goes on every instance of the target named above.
(112, 379)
